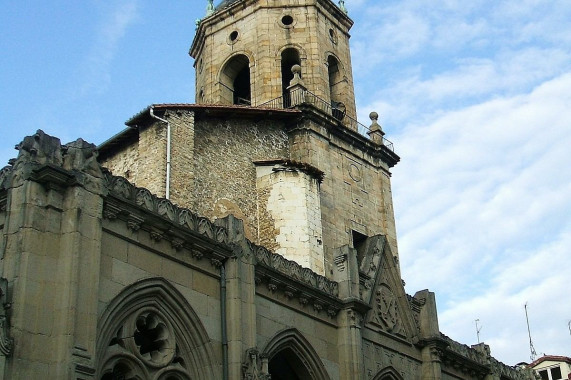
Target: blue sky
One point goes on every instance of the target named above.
(475, 95)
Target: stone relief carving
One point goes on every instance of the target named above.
(386, 311)
(370, 260)
(255, 367)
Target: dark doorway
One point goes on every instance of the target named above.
(287, 366)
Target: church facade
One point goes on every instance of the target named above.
(250, 235)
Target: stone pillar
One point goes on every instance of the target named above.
(51, 258)
(351, 317)
(430, 341)
(240, 298)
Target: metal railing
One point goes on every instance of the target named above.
(335, 109)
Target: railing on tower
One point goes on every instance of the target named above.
(337, 110)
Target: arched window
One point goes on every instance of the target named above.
(235, 87)
(290, 57)
(150, 331)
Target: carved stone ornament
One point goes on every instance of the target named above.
(386, 311)
(147, 343)
(256, 366)
(6, 343)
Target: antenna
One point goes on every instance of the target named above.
(478, 329)
(569, 325)
(533, 354)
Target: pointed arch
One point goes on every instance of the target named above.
(150, 326)
(291, 354)
(234, 80)
(388, 373)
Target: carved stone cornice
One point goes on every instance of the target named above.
(272, 262)
(477, 363)
(162, 220)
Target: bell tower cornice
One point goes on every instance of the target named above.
(229, 9)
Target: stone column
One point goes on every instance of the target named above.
(351, 317)
(240, 298)
(430, 340)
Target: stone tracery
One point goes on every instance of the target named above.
(150, 332)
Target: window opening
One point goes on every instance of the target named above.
(287, 20)
(290, 57)
(233, 36)
(235, 81)
(336, 88)
(359, 244)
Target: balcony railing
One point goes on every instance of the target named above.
(337, 110)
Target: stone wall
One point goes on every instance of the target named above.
(224, 171)
(143, 159)
(290, 215)
(125, 161)
(124, 262)
(182, 156)
(356, 191)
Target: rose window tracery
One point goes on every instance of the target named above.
(153, 339)
(144, 347)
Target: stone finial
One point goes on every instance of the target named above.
(296, 71)
(197, 22)
(210, 8)
(343, 7)
(296, 88)
(375, 131)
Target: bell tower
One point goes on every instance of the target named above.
(244, 51)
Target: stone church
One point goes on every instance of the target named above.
(250, 235)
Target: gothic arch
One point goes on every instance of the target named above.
(235, 79)
(150, 331)
(289, 348)
(388, 373)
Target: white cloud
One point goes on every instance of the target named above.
(483, 200)
(95, 71)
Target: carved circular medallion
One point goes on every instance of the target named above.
(355, 173)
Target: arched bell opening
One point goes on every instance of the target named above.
(235, 85)
(337, 84)
(290, 57)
